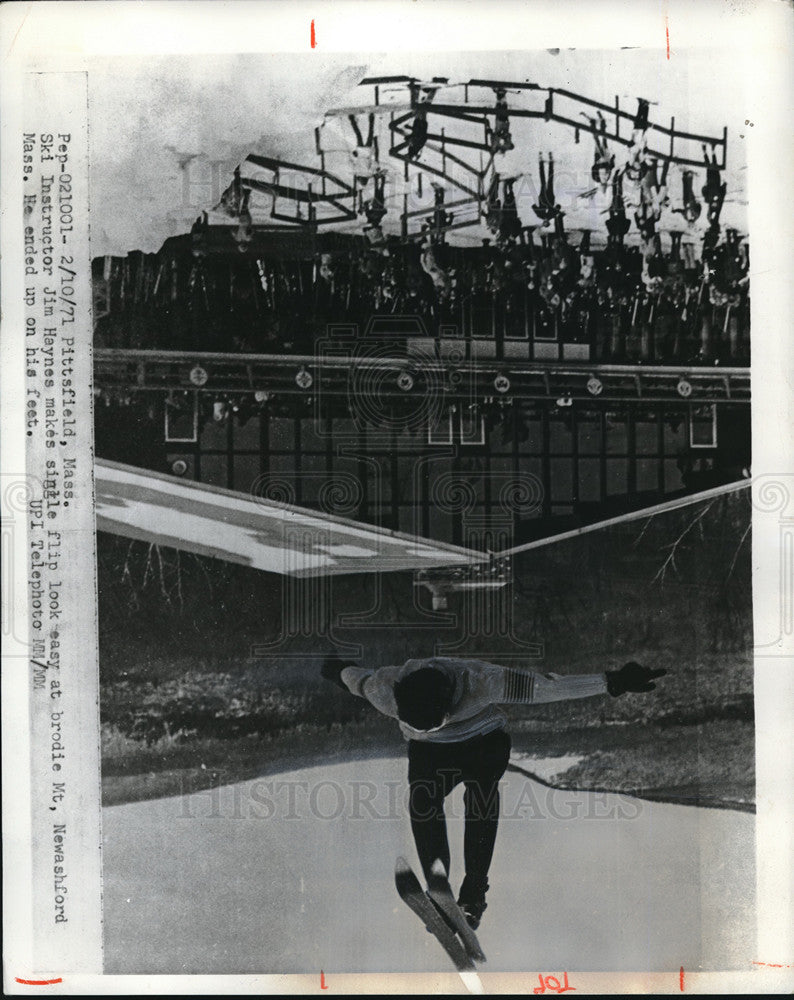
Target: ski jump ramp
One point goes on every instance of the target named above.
(287, 539)
(263, 534)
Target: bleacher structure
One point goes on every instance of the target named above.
(473, 134)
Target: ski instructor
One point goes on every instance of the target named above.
(447, 710)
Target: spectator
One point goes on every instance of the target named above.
(510, 227)
(617, 223)
(603, 160)
(713, 190)
(441, 218)
(639, 141)
(374, 208)
(546, 209)
(501, 137)
(653, 190)
(587, 270)
(234, 198)
(691, 207)
(243, 234)
(197, 235)
(493, 206)
(326, 269)
(365, 154)
(419, 128)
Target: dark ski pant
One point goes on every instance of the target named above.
(357, 131)
(546, 196)
(434, 769)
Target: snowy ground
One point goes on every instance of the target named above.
(294, 874)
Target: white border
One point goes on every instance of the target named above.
(759, 32)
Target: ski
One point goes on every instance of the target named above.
(411, 892)
(440, 893)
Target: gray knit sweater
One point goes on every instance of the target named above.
(478, 688)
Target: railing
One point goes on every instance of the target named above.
(476, 113)
(330, 374)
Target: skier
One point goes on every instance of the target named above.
(447, 711)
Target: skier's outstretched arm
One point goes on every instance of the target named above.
(354, 677)
(334, 668)
(522, 687)
(374, 686)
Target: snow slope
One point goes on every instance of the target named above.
(294, 873)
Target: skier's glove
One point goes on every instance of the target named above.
(631, 677)
(332, 669)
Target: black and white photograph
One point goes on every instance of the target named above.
(419, 489)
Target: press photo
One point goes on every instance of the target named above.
(422, 433)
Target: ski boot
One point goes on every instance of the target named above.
(471, 900)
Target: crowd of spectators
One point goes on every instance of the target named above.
(638, 291)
